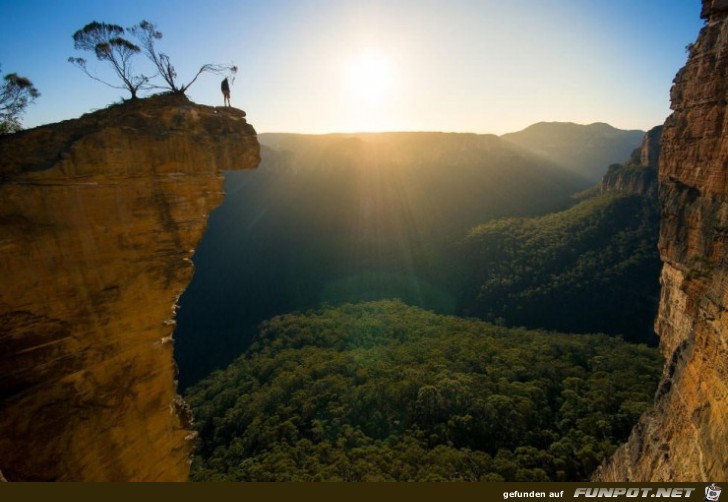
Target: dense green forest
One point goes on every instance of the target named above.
(385, 391)
(591, 268)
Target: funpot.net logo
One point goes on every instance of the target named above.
(615, 492)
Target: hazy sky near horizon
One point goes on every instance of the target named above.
(317, 66)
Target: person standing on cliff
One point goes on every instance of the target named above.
(225, 87)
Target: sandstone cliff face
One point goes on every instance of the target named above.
(639, 174)
(685, 437)
(98, 219)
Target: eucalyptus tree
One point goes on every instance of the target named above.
(108, 43)
(16, 93)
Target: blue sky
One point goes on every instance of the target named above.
(316, 66)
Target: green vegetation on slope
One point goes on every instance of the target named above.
(591, 268)
(384, 391)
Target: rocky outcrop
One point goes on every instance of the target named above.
(639, 174)
(98, 219)
(650, 148)
(685, 437)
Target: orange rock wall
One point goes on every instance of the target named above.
(685, 437)
(98, 220)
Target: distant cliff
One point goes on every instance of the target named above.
(98, 219)
(684, 438)
(639, 174)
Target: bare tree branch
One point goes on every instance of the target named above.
(147, 34)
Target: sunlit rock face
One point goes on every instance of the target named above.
(685, 437)
(98, 219)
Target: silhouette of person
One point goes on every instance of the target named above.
(225, 87)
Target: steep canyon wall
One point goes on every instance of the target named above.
(99, 217)
(685, 437)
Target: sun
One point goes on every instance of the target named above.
(367, 76)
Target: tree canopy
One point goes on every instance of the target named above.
(107, 43)
(591, 268)
(384, 391)
(16, 94)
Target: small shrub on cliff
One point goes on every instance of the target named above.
(16, 93)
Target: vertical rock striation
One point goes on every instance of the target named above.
(98, 220)
(685, 437)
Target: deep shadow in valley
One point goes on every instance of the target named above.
(346, 218)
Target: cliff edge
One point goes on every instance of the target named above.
(684, 437)
(98, 219)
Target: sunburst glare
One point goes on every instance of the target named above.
(368, 77)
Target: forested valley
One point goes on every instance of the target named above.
(592, 268)
(418, 306)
